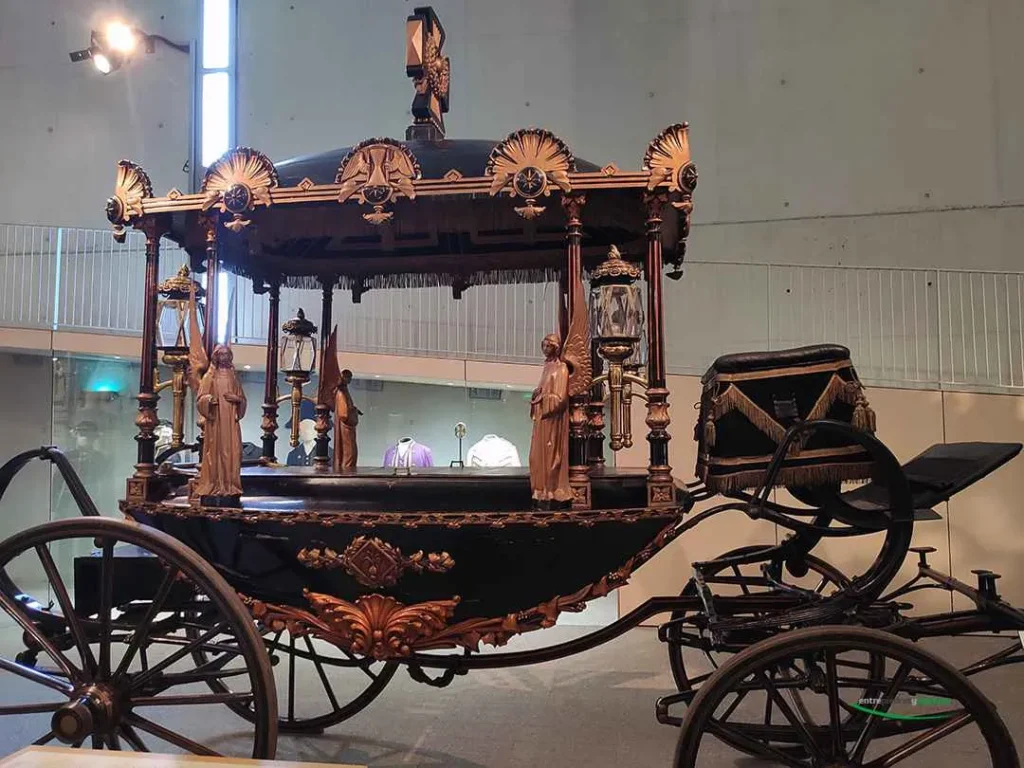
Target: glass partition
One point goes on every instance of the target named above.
(86, 405)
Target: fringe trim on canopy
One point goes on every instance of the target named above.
(817, 474)
(460, 280)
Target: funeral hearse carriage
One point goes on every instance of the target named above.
(233, 577)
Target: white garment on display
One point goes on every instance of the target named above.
(403, 452)
(493, 451)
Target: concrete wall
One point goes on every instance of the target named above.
(826, 131)
(64, 126)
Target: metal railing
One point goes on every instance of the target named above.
(917, 327)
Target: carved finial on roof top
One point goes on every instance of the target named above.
(430, 71)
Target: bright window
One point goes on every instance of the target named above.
(217, 79)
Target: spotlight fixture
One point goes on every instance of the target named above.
(111, 48)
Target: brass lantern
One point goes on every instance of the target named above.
(297, 363)
(172, 340)
(172, 308)
(298, 349)
(616, 304)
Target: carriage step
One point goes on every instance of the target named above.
(987, 582)
(922, 553)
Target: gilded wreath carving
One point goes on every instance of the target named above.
(373, 562)
(238, 182)
(527, 164)
(668, 159)
(376, 172)
(130, 188)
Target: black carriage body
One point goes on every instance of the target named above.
(436, 536)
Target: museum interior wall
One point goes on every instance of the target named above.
(809, 151)
(810, 154)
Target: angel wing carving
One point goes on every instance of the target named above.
(352, 175)
(576, 349)
(198, 362)
(330, 372)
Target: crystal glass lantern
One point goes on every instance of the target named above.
(173, 312)
(616, 302)
(298, 347)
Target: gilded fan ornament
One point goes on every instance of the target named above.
(668, 159)
(376, 172)
(240, 180)
(527, 164)
(131, 187)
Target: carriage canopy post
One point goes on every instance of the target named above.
(270, 393)
(146, 419)
(579, 466)
(322, 460)
(212, 285)
(660, 488)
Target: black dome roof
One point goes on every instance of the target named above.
(467, 156)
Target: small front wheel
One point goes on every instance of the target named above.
(788, 701)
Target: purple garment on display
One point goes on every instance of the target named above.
(415, 455)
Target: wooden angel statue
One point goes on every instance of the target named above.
(566, 373)
(221, 403)
(334, 394)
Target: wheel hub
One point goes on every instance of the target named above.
(91, 711)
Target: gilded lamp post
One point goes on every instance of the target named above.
(617, 312)
(298, 360)
(172, 341)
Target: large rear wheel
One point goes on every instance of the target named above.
(107, 617)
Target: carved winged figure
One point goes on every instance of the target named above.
(334, 394)
(566, 374)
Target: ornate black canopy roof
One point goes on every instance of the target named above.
(424, 211)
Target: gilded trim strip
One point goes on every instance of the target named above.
(786, 371)
(584, 517)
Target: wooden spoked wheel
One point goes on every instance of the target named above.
(917, 707)
(318, 684)
(111, 615)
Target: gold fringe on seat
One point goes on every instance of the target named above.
(817, 474)
(733, 399)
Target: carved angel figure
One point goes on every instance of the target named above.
(549, 445)
(566, 374)
(221, 402)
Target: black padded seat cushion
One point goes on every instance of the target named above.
(742, 362)
(938, 474)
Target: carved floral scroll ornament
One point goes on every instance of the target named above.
(237, 182)
(527, 163)
(373, 562)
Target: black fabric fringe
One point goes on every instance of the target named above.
(428, 280)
